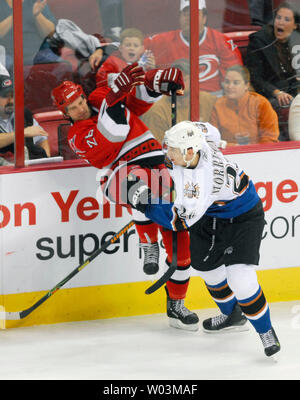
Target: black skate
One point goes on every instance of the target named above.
(235, 321)
(179, 316)
(270, 342)
(151, 251)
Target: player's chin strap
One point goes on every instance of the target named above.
(188, 163)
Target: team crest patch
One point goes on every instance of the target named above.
(191, 190)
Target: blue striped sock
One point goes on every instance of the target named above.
(257, 311)
(223, 297)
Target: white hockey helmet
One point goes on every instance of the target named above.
(185, 135)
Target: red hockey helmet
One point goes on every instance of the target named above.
(65, 94)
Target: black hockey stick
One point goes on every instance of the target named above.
(22, 314)
(170, 271)
(173, 107)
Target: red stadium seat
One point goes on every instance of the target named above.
(86, 14)
(50, 121)
(39, 80)
(236, 15)
(63, 147)
(241, 39)
(151, 16)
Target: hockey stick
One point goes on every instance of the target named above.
(22, 314)
(170, 271)
(174, 107)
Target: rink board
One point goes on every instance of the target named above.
(50, 220)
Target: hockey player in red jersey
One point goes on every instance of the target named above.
(216, 51)
(107, 132)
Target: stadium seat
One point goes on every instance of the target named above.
(64, 149)
(39, 80)
(50, 121)
(241, 39)
(86, 14)
(161, 15)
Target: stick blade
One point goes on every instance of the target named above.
(161, 281)
(14, 316)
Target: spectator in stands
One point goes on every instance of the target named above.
(216, 51)
(271, 61)
(38, 23)
(294, 119)
(243, 116)
(36, 140)
(131, 50)
(158, 118)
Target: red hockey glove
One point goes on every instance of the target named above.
(165, 81)
(129, 77)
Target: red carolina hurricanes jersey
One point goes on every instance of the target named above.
(115, 133)
(216, 53)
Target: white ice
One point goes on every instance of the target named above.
(145, 347)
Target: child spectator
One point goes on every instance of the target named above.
(131, 50)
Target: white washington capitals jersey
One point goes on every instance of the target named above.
(216, 187)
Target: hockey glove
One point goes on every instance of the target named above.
(129, 77)
(165, 81)
(137, 192)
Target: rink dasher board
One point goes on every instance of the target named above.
(49, 219)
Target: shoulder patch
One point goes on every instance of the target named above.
(168, 163)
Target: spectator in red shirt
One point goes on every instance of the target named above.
(216, 51)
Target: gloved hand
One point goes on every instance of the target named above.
(129, 77)
(165, 81)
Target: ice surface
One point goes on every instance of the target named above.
(145, 347)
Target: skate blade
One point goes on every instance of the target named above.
(240, 328)
(275, 358)
(175, 323)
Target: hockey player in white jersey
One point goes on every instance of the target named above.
(217, 202)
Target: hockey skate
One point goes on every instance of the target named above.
(179, 316)
(235, 321)
(151, 251)
(270, 342)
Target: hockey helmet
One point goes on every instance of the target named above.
(184, 135)
(65, 94)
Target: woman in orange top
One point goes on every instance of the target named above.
(243, 116)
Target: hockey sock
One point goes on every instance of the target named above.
(222, 296)
(179, 283)
(148, 232)
(242, 279)
(257, 311)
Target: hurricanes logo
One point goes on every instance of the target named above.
(191, 190)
